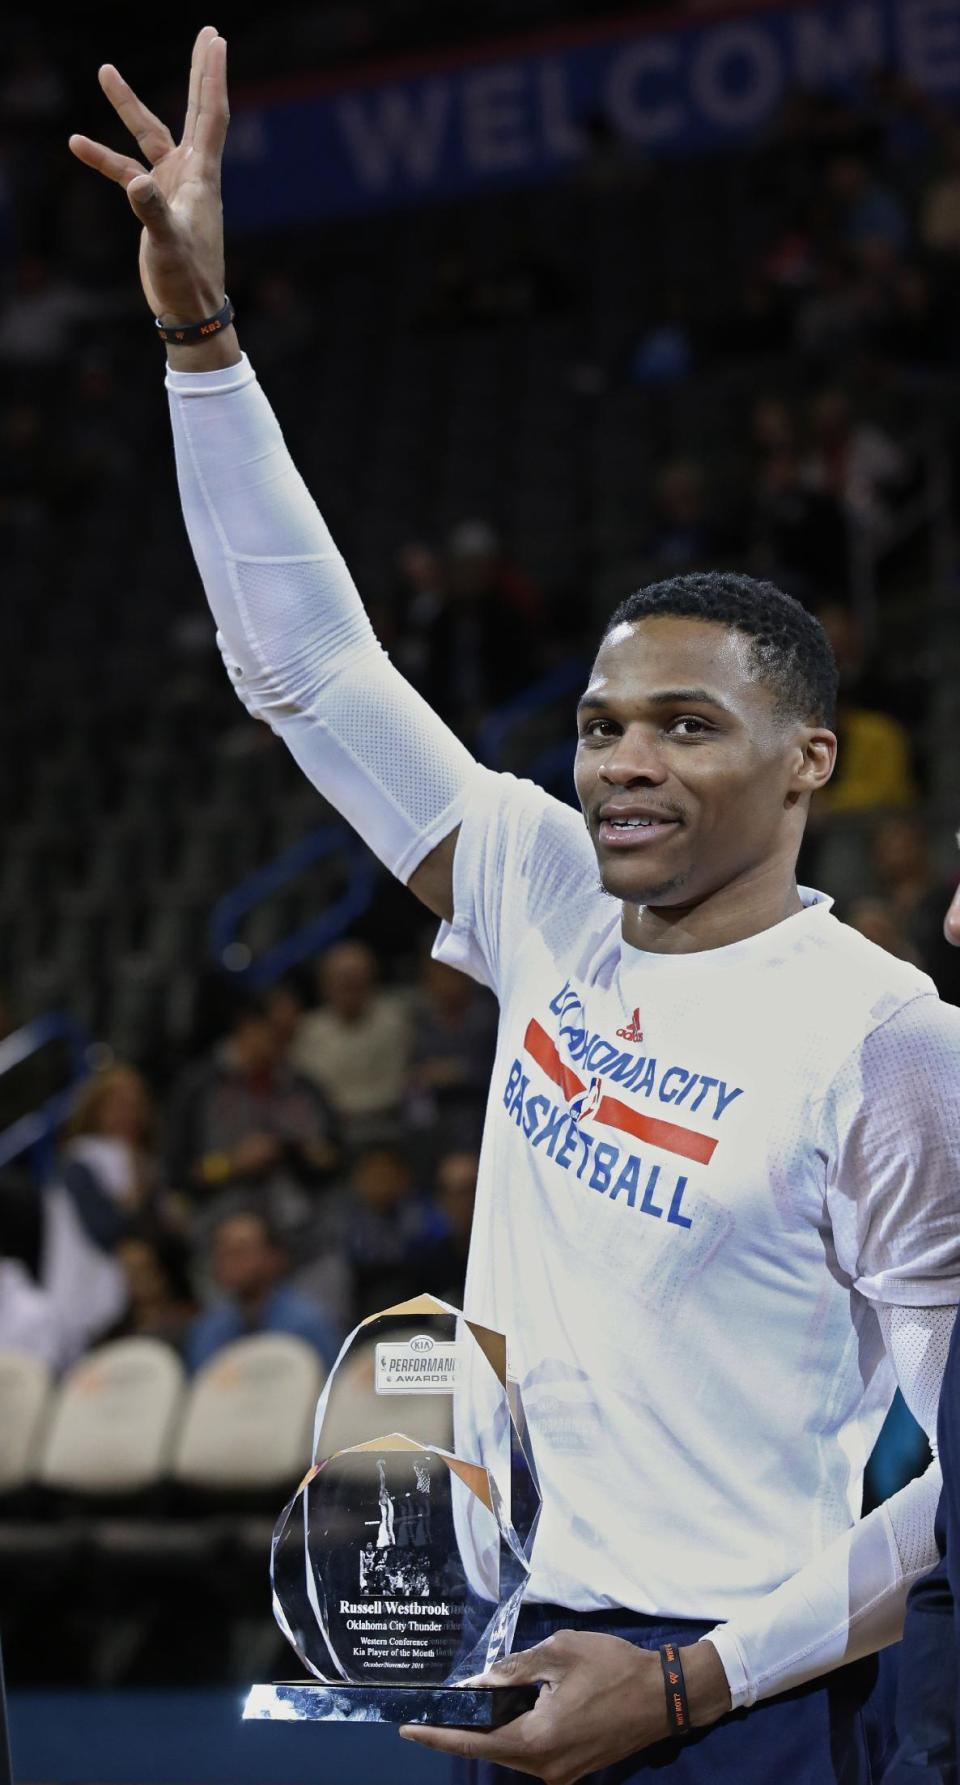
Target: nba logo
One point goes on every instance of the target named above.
(586, 1105)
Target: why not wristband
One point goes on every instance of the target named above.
(190, 334)
(678, 1711)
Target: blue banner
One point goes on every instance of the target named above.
(496, 118)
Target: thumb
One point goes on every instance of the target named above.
(951, 923)
(149, 204)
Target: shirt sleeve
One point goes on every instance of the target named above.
(890, 1133)
(848, 1601)
(523, 861)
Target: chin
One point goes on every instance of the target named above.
(624, 881)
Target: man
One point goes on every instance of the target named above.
(249, 1265)
(355, 1046)
(242, 1119)
(700, 1211)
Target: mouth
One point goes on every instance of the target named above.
(634, 832)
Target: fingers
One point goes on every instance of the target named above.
(106, 161)
(153, 137)
(544, 1663)
(507, 1745)
(213, 114)
(204, 37)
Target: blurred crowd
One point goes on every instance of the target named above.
(317, 1164)
(315, 1159)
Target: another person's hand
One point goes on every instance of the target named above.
(601, 1700)
(178, 199)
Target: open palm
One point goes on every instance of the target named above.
(177, 196)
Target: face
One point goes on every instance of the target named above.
(244, 1262)
(687, 779)
(347, 979)
(123, 1110)
(284, 1011)
(146, 1282)
(256, 1043)
(381, 1179)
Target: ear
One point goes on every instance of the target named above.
(814, 757)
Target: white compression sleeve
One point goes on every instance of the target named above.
(849, 1601)
(297, 643)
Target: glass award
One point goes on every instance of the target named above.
(399, 1566)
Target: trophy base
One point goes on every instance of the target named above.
(455, 1707)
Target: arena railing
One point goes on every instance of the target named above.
(35, 1132)
(257, 971)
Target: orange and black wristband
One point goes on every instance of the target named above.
(678, 1711)
(191, 334)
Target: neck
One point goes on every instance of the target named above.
(742, 908)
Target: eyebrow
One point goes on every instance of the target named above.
(663, 698)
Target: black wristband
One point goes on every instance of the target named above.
(678, 1711)
(190, 334)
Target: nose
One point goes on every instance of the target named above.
(633, 758)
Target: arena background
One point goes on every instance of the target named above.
(548, 305)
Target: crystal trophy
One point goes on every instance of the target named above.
(400, 1564)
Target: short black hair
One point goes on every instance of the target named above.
(790, 652)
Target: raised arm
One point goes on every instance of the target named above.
(293, 632)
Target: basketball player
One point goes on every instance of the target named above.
(718, 1210)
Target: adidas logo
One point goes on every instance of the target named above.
(633, 1031)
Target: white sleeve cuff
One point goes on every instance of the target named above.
(724, 1640)
(211, 384)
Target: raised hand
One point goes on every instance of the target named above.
(177, 197)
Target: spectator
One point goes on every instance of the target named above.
(800, 532)
(160, 1304)
(940, 206)
(454, 1029)
(445, 1264)
(105, 1181)
(41, 315)
(249, 1267)
(357, 1045)
(682, 532)
(866, 211)
(246, 1119)
(901, 859)
(881, 923)
(855, 461)
(391, 1230)
(420, 596)
(456, 635)
(874, 775)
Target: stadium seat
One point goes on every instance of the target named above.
(249, 1415)
(24, 1398)
(114, 1419)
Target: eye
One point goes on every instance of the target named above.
(599, 728)
(691, 719)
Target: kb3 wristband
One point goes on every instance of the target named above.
(191, 334)
(678, 1711)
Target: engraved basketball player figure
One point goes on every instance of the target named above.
(386, 1536)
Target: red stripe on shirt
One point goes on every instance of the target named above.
(669, 1136)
